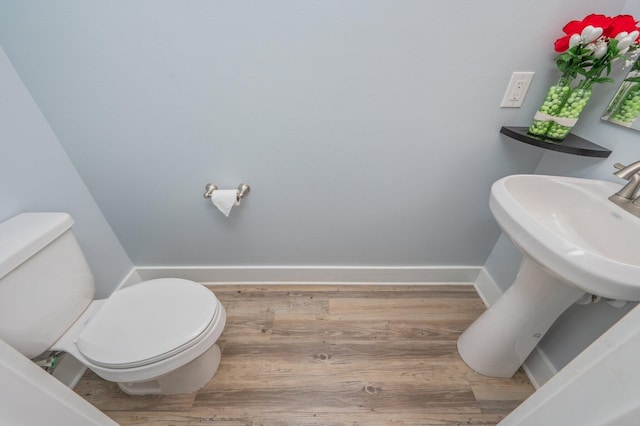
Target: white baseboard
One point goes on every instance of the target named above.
(487, 288)
(69, 371)
(315, 274)
(133, 277)
(537, 366)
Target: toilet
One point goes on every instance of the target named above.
(154, 337)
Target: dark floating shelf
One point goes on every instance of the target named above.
(571, 145)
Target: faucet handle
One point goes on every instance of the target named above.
(627, 172)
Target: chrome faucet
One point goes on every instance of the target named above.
(626, 197)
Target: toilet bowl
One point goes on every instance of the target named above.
(142, 333)
(154, 337)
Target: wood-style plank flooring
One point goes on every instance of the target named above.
(333, 355)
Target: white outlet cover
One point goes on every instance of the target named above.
(517, 89)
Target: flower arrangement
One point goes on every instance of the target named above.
(587, 49)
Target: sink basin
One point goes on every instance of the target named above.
(569, 227)
(574, 241)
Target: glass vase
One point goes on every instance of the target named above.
(568, 115)
(628, 107)
(553, 102)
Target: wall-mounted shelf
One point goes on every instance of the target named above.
(571, 145)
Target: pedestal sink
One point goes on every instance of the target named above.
(574, 241)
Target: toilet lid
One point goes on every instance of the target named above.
(148, 322)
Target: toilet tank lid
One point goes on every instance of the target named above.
(24, 235)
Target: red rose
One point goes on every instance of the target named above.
(621, 23)
(562, 44)
(576, 27)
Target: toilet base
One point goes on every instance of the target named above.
(186, 379)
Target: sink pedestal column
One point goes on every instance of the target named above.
(499, 341)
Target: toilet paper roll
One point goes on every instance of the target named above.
(224, 200)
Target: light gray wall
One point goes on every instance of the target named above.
(579, 326)
(368, 130)
(37, 175)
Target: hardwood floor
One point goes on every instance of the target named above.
(333, 355)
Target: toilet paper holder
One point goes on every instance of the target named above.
(243, 189)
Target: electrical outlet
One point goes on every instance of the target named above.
(517, 89)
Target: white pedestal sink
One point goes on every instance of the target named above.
(574, 241)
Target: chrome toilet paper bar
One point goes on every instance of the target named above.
(243, 189)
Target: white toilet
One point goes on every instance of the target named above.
(155, 337)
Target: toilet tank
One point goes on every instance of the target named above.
(45, 281)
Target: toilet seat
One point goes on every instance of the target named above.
(130, 332)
